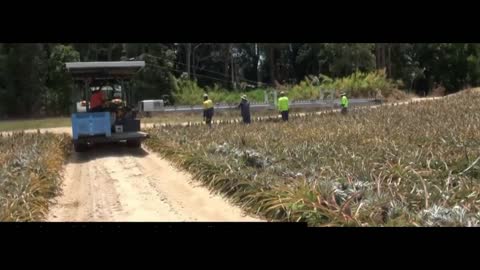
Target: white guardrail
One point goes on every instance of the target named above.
(295, 104)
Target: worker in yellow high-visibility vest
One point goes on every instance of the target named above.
(207, 110)
(283, 106)
(344, 103)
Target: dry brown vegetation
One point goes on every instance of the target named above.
(30, 172)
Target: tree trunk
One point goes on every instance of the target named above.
(389, 61)
(271, 57)
(291, 63)
(380, 55)
(227, 60)
(86, 57)
(196, 60)
(110, 52)
(257, 65)
(124, 56)
(194, 65)
(188, 58)
(238, 74)
(234, 85)
(225, 67)
(95, 48)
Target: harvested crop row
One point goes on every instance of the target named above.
(30, 166)
(409, 165)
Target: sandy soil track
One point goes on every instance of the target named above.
(112, 182)
(116, 183)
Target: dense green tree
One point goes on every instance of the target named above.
(26, 73)
(59, 84)
(33, 80)
(154, 81)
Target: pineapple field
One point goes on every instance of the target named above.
(409, 165)
(30, 174)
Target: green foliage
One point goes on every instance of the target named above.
(335, 59)
(59, 83)
(359, 84)
(155, 80)
(26, 72)
(189, 93)
(348, 58)
(305, 90)
(32, 83)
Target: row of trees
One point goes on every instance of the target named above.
(33, 78)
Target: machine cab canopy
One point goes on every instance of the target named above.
(104, 71)
(111, 76)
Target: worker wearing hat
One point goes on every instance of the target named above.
(207, 110)
(245, 109)
(283, 106)
(344, 102)
(117, 98)
(117, 105)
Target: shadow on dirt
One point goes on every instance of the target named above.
(99, 151)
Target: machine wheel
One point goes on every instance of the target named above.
(134, 143)
(80, 147)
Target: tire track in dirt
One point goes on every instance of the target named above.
(117, 183)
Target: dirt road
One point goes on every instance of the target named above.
(116, 183)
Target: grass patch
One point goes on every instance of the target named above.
(11, 125)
